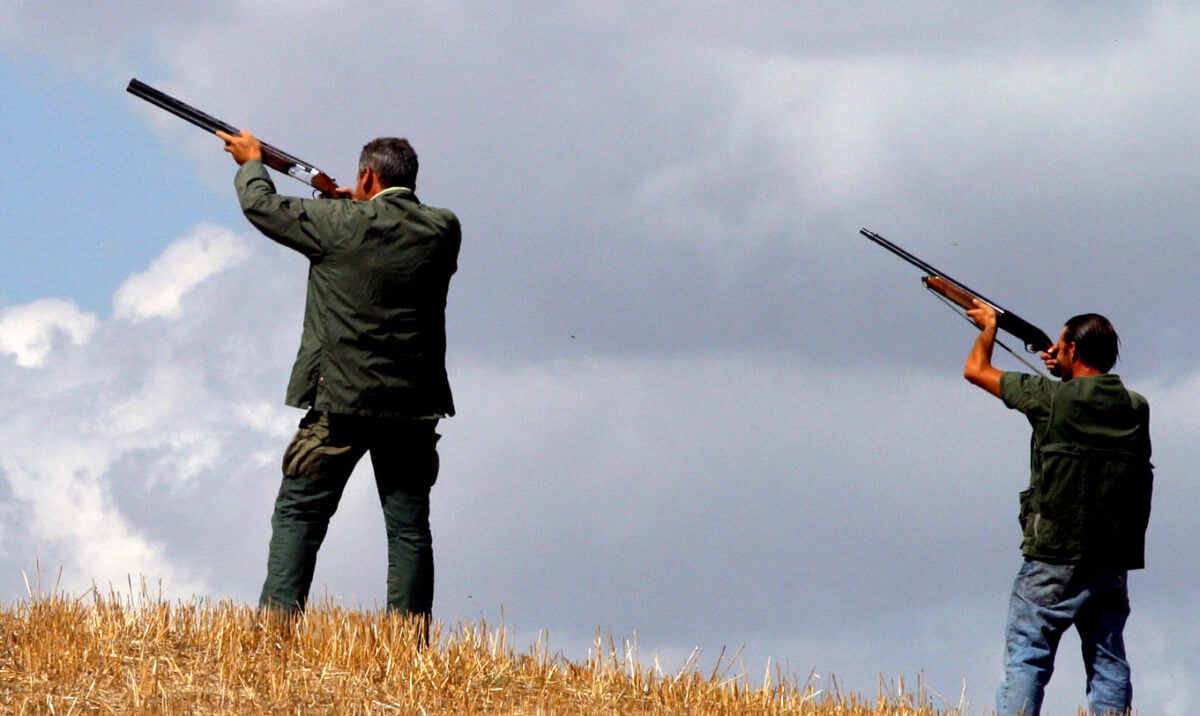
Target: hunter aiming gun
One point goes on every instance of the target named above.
(958, 293)
(277, 159)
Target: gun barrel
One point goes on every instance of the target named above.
(273, 156)
(177, 108)
(1034, 338)
(927, 268)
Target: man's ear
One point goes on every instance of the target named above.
(366, 183)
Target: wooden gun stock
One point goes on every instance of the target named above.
(937, 284)
(1035, 340)
(273, 157)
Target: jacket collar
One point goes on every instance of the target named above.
(401, 191)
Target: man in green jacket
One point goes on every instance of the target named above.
(371, 366)
(1084, 514)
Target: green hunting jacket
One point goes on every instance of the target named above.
(1088, 500)
(374, 340)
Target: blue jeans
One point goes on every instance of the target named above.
(1047, 599)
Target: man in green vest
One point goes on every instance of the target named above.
(370, 371)
(1084, 514)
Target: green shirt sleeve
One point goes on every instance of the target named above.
(1027, 394)
(306, 225)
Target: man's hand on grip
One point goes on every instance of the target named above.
(243, 146)
(982, 315)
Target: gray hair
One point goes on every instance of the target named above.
(393, 159)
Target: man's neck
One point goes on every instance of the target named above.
(1083, 370)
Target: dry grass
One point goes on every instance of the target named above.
(105, 655)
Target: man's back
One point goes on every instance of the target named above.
(1084, 514)
(377, 296)
(374, 338)
(1091, 478)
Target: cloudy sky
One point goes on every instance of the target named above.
(696, 408)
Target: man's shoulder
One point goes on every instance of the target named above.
(444, 215)
(406, 200)
(1110, 387)
(1134, 398)
(1016, 386)
(441, 222)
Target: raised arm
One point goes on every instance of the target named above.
(979, 369)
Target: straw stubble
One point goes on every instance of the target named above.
(100, 654)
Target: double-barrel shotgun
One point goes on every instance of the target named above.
(273, 157)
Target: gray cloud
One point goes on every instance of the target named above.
(847, 520)
(694, 404)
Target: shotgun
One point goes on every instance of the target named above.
(277, 159)
(1035, 340)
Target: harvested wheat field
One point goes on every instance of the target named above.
(104, 655)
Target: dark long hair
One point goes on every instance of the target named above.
(1096, 341)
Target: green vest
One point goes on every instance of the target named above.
(1088, 499)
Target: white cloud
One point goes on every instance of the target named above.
(28, 331)
(157, 291)
(775, 478)
(126, 443)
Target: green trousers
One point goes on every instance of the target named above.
(316, 466)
